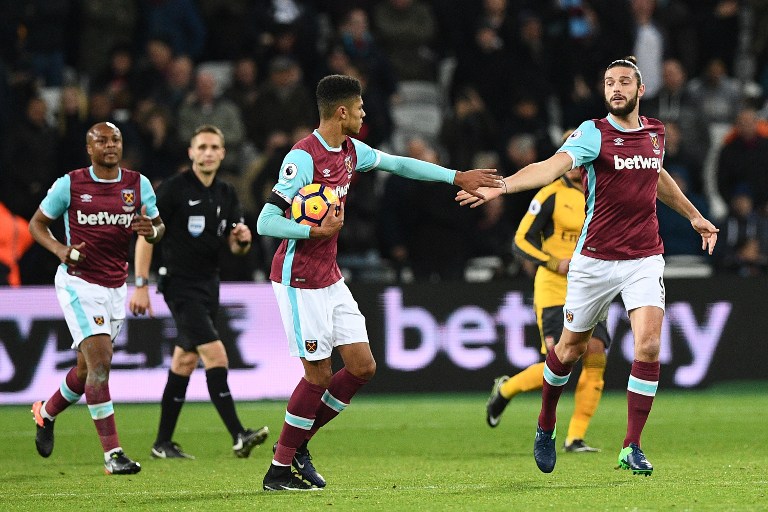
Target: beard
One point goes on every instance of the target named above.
(622, 111)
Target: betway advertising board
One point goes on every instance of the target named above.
(425, 338)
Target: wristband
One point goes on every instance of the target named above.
(505, 185)
(154, 232)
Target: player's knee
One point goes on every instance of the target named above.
(368, 370)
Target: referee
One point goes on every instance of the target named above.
(202, 214)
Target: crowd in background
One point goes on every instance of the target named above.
(462, 83)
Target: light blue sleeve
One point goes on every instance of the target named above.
(297, 171)
(148, 197)
(271, 222)
(369, 158)
(583, 145)
(56, 201)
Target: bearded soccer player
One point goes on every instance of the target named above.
(104, 205)
(619, 250)
(316, 307)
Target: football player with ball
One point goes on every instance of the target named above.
(318, 311)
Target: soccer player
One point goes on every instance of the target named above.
(103, 204)
(619, 250)
(547, 236)
(317, 309)
(204, 215)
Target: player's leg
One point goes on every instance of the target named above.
(550, 322)
(308, 326)
(73, 386)
(350, 338)
(644, 297)
(44, 413)
(216, 363)
(557, 370)
(642, 385)
(588, 298)
(96, 352)
(300, 416)
(183, 363)
(589, 390)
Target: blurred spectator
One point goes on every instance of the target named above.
(31, 153)
(295, 35)
(487, 52)
(162, 153)
(743, 237)
(717, 23)
(527, 118)
(716, 96)
(491, 234)
(378, 124)
(283, 103)
(467, 129)
(206, 106)
(71, 124)
(154, 68)
(105, 25)
(743, 161)
(118, 76)
(359, 43)
(679, 157)
(649, 45)
(498, 15)
(178, 22)
(244, 90)
(177, 86)
(15, 239)
(427, 235)
(406, 31)
(520, 151)
(675, 230)
(584, 100)
(43, 33)
(534, 63)
(227, 26)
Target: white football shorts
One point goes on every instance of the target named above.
(593, 284)
(315, 321)
(89, 308)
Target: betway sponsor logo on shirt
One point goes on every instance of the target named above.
(637, 162)
(105, 218)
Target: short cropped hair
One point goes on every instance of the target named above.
(208, 128)
(627, 62)
(335, 90)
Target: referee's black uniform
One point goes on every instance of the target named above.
(198, 221)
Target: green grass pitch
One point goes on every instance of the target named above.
(409, 453)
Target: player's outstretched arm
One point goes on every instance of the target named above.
(535, 175)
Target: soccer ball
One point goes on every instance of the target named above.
(312, 203)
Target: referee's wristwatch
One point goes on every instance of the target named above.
(141, 282)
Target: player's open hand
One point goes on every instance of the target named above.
(471, 181)
(330, 225)
(708, 233)
(483, 195)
